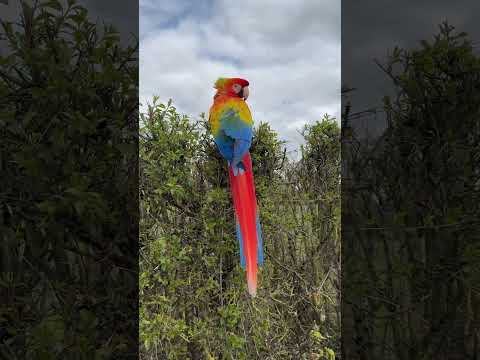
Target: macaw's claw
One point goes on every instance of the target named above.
(238, 169)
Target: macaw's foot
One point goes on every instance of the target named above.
(239, 169)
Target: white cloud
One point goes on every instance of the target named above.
(289, 51)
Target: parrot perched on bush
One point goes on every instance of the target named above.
(231, 125)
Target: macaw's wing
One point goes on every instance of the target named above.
(247, 222)
(240, 242)
(235, 120)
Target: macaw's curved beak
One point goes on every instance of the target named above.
(245, 92)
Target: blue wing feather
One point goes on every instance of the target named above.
(234, 126)
(259, 242)
(240, 241)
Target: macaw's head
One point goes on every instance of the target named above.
(232, 87)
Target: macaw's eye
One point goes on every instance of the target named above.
(237, 88)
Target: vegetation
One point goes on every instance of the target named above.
(68, 127)
(194, 303)
(410, 212)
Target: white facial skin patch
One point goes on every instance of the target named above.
(237, 88)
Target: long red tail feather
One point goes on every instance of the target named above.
(244, 200)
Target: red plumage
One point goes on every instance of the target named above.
(245, 203)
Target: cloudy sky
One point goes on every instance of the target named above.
(288, 50)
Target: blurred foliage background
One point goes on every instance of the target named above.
(68, 194)
(193, 298)
(411, 210)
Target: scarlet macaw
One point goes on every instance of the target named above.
(231, 125)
